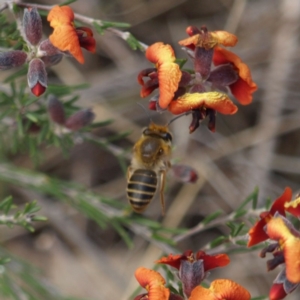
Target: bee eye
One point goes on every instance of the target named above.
(169, 136)
(161, 151)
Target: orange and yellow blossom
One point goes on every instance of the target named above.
(207, 39)
(153, 282)
(281, 230)
(221, 289)
(244, 87)
(65, 36)
(217, 101)
(167, 72)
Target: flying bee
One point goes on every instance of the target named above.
(149, 165)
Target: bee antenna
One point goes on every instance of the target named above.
(177, 117)
(144, 109)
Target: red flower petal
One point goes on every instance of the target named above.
(293, 207)
(257, 233)
(213, 261)
(172, 260)
(279, 204)
(86, 40)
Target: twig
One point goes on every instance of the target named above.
(125, 35)
(11, 219)
(3, 7)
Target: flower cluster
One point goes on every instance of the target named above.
(192, 270)
(202, 92)
(41, 54)
(285, 248)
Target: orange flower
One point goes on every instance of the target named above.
(257, 233)
(193, 268)
(153, 282)
(281, 230)
(206, 39)
(209, 261)
(221, 289)
(243, 88)
(168, 73)
(214, 100)
(65, 36)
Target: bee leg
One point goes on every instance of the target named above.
(161, 190)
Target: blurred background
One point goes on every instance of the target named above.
(257, 147)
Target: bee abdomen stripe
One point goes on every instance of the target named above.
(139, 187)
(139, 196)
(145, 178)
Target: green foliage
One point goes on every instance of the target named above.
(9, 35)
(19, 280)
(103, 25)
(12, 215)
(68, 2)
(134, 43)
(211, 217)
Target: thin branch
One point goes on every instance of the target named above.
(3, 7)
(125, 35)
(13, 220)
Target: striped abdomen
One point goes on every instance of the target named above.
(141, 188)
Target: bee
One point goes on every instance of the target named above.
(149, 165)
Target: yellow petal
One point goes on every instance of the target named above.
(218, 101)
(229, 290)
(225, 38)
(169, 75)
(159, 53)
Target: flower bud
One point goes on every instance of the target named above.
(32, 25)
(37, 77)
(184, 173)
(56, 110)
(49, 54)
(80, 119)
(11, 59)
(277, 292)
(192, 30)
(281, 286)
